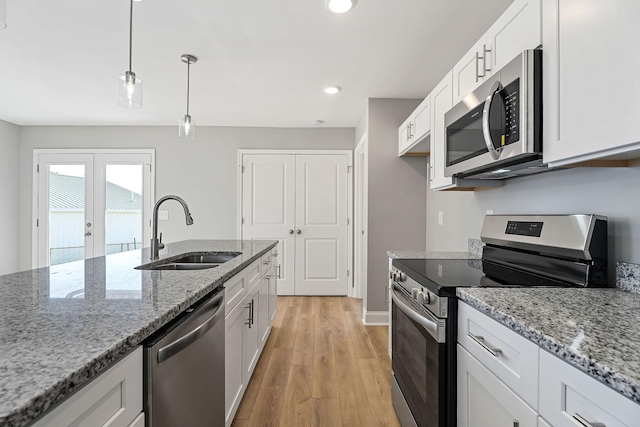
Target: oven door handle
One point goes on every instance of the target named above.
(431, 325)
(486, 129)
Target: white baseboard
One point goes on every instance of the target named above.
(374, 318)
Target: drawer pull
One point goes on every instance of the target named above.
(579, 418)
(480, 340)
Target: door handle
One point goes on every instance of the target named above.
(486, 130)
(484, 60)
(87, 234)
(290, 231)
(185, 341)
(298, 231)
(278, 270)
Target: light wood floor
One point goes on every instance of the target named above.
(320, 368)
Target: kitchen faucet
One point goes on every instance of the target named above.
(156, 243)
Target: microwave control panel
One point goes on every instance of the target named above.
(511, 96)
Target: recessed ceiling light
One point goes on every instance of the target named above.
(332, 90)
(340, 6)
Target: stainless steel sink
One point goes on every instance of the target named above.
(176, 266)
(192, 262)
(207, 258)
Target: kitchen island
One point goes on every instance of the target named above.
(62, 326)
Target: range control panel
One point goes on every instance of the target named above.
(524, 228)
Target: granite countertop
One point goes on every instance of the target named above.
(61, 326)
(596, 330)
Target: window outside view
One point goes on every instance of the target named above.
(123, 215)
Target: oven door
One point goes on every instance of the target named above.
(419, 360)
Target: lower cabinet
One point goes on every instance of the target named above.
(247, 328)
(569, 397)
(485, 401)
(112, 399)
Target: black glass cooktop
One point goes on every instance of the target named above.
(442, 276)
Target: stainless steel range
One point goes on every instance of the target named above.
(520, 250)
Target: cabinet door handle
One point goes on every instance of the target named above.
(248, 322)
(579, 418)
(477, 68)
(484, 60)
(278, 270)
(480, 340)
(298, 231)
(252, 318)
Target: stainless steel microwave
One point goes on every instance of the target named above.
(495, 132)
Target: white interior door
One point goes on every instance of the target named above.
(268, 208)
(321, 225)
(91, 204)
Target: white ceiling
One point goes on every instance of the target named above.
(261, 62)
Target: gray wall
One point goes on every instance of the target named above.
(9, 177)
(614, 192)
(203, 172)
(397, 195)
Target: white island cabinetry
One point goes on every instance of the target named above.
(112, 399)
(247, 327)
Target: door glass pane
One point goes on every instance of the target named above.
(123, 215)
(66, 213)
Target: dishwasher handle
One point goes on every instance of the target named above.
(186, 340)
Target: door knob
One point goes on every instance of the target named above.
(87, 234)
(298, 231)
(290, 231)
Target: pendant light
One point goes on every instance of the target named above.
(130, 92)
(187, 127)
(3, 14)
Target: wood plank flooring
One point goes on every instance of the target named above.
(321, 367)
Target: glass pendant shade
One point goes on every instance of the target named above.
(3, 14)
(130, 92)
(187, 128)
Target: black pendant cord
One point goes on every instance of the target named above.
(130, 32)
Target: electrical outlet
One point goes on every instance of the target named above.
(440, 218)
(163, 215)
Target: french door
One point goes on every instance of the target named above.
(303, 201)
(90, 204)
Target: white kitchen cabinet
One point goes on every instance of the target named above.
(247, 328)
(112, 399)
(568, 394)
(139, 421)
(517, 29)
(413, 133)
(543, 423)
(587, 45)
(485, 401)
(273, 287)
(509, 356)
(441, 102)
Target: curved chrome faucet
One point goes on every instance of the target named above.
(156, 243)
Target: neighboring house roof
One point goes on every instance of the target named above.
(67, 192)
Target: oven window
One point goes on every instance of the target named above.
(419, 366)
(464, 137)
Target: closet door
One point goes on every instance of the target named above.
(268, 208)
(321, 225)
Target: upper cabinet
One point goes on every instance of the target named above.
(586, 43)
(441, 102)
(413, 133)
(518, 29)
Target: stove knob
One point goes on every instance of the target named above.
(427, 297)
(414, 293)
(400, 276)
(421, 297)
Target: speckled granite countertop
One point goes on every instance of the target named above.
(63, 325)
(595, 330)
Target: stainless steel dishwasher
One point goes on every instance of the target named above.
(184, 368)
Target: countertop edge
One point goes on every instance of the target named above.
(51, 397)
(591, 367)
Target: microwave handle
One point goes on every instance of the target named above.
(486, 131)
